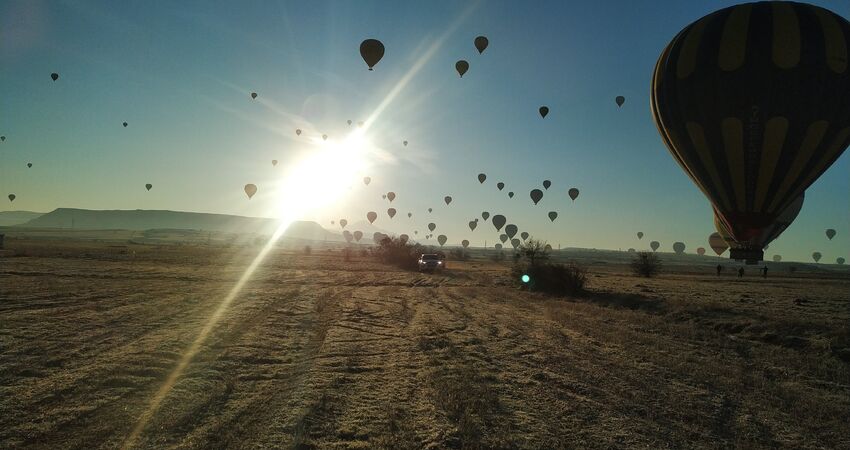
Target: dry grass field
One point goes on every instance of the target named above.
(319, 353)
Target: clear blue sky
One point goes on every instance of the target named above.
(180, 74)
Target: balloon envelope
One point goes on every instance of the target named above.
(343, 223)
(816, 256)
(500, 185)
(510, 195)
(148, 186)
(700, 251)
(390, 196)
(371, 50)
(573, 193)
(371, 216)
(654, 245)
(367, 180)
(461, 67)
(553, 215)
(432, 226)
(274, 162)
(511, 230)
(536, 195)
(717, 243)
(546, 184)
(55, 76)
(250, 190)
(391, 212)
(464, 243)
(253, 95)
(679, 247)
(640, 234)
(447, 199)
(524, 235)
(472, 225)
(12, 197)
(499, 221)
(442, 239)
(481, 44)
(358, 235)
(485, 215)
(830, 233)
(620, 100)
(544, 111)
(481, 177)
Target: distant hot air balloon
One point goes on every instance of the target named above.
(11, 197)
(524, 235)
(348, 122)
(481, 44)
(472, 225)
(464, 243)
(442, 239)
(536, 195)
(29, 165)
(384, 196)
(367, 180)
(481, 178)
(2, 138)
(498, 246)
(830, 233)
(447, 199)
(717, 243)
(343, 223)
(274, 162)
(250, 189)
(253, 95)
(298, 131)
(620, 100)
(125, 124)
(372, 50)
(403, 238)
(390, 196)
(55, 76)
(500, 185)
(405, 143)
(461, 67)
(640, 234)
(511, 230)
(700, 251)
(546, 184)
(485, 215)
(498, 221)
(371, 216)
(409, 214)
(714, 99)
(430, 209)
(503, 237)
(358, 235)
(432, 226)
(553, 215)
(391, 212)
(324, 137)
(510, 195)
(544, 111)
(348, 236)
(777, 258)
(515, 243)
(840, 260)
(654, 245)
(573, 193)
(148, 186)
(816, 256)
(679, 247)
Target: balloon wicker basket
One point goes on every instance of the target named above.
(751, 256)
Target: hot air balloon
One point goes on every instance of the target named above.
(573, 193)
(500, 185)
(2, 138)
(432, 226)
(700, 251)
(503, 237)
(485, 215)
(546, 184)
(472, 225)
(148, 186)
(816, 256)
(409, 214)
(461, 67)
(29, 165)
(125, 124)
(481, 43)
(714, 99)
(524, 235)
(324, 137)
(498, 246)
(620, 100)
(830, 233)
(717, 243)
(515, 243)
(11, 197)
(447, 199)
(348, 236)
(343, 223)
(358, 235)
(442, 239)
(510, 195)
(348, 122)
(640, 234)
(55, 76)
(390, 196)
(372, 50)
(544, 111)
(679, 247)
(464, 243)
(777, 258)
(298, 132)
(536, 195)
(391, 212)
(840, 260)
(654, 245)
(405, 143)
(371, 216)
(274, 162)
(367, 180)
(384, 196)
(481, 178)
(253, 95)
(430, 209)
(250, 189)
(511, 230)
(553, 215)
(403, 238)
(498, 221)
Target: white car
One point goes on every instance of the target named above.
(431, 261)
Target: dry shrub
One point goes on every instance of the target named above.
(552, 278)
(400, 253)
(646, 264)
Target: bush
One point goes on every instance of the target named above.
(392, 250)
(459, 254)
(552, 278)
(646, 264)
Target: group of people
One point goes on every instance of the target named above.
(763, 271)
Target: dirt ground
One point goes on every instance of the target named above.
(316, 352)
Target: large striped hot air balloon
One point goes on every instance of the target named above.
(753, 101)
(783, 221)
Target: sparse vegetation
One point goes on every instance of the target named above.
(398, 252)
(459, 254)
(531, 260)
(646, 264)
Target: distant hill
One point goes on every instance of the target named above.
(140, 220)
(10, 218)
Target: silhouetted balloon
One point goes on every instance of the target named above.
(430, 209)
(391, 212)
(536, 195)
(481, 178)
(839, 260)
(29, 165)
(654, 245)
(717, 243)
(553, 215)
(55, 76)
(348, 236)
(324, 137)
(777, 258)
(371, 216)
(640, 234)
(405, 143)
(12, 197)
(461, 67)
(511, 230)
(447, 199)
(343, 223)
(253, 95)
(500, 185)
(515, 242)
(148, 186)
(390, 196)
(298, 132)
(358, 235)
(432, 226)
(499, 221)
(409, 214)
(573, 193)
(816, 256)
(372, 50)
(415, 231)
(510, 195)
(367, 180)
(546, 184)
(481, 44)
(544, 111)
(464, 243)
(2, 138)
(767, 234)
(403, 238)
(274, 162)
(524, 235)
(679, 247)
(830, 233)
(503, 237)
(485, 215)
(700, 251)
(125, 124)
(714, 99)
(250, 189)
(442, 239)
(620, 100)
(384, 196)
(472, 225)
(498, 246)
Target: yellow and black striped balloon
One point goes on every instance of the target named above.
(753, 101)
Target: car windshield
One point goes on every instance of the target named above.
(430, 258)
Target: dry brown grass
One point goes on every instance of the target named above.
(321, 353)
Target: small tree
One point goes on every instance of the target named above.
(646, 264)
(534, 251)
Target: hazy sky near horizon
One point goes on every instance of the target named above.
(180, 74)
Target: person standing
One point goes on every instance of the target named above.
(741, 272)
(764, 272)
(719, 269)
